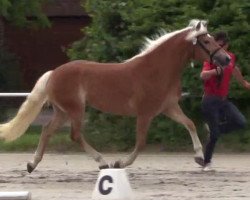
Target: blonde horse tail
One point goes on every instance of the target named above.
(27, 112)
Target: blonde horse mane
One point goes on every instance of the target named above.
(162, 36)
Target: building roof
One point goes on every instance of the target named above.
(64, 8)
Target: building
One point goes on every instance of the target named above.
(41, 50)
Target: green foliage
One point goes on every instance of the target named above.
(117, 32)
(170, 136)
(18, 12)
(10, 78)
(28, 142)
(118, 28)
(107, 132)
(234, 17)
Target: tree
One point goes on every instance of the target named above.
(19, 11)
(22, 13)
(234, 18)
(117, 29)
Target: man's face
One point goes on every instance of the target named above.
(222, 44)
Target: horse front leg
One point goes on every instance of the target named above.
(176, 114)
(94, 154)
(142, 125)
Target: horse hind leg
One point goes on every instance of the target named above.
(76, 117)
(58, 119)
(176, 114)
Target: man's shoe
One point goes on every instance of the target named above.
(208, 168)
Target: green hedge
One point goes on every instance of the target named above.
(117, 32)
(115, 133)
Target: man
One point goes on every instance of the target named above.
(220, 114)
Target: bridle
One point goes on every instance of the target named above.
(211, 54)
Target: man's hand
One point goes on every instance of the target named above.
(247, 85)
(219, 71)
(213, 72)
(238, 76)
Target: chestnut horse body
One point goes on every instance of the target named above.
(143, 86)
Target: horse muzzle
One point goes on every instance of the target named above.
(222, 61)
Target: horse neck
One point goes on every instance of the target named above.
(169, 58)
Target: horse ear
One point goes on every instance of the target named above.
(205, 23)
(198, 26)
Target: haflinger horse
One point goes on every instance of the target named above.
(144, 86)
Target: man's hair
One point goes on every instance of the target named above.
(221, 36)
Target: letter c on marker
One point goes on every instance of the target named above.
(101, 189)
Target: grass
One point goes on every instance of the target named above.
(60, 142)
(179, 141)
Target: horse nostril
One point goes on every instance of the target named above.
(228, 59)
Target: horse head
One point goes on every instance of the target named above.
(204, 45)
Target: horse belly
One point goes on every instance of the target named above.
(111, 104)
(110, 95)
(109, 90)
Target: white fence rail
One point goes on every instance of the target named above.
(24, 94)
(41, 119)
(46, 115)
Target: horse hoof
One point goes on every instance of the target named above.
(199, 161)
(104, 167)
(29, 167)
(117, 164)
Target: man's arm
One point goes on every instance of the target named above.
(206, 74)
(238, 76)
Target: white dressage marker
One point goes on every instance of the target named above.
(112, 184)
(22, 195)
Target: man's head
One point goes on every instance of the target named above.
(222, 39)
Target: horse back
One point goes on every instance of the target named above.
(105, 86)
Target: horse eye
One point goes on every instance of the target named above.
(206, 42)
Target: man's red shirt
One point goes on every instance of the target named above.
(211, 86)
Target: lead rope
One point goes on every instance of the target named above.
(219, 77)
